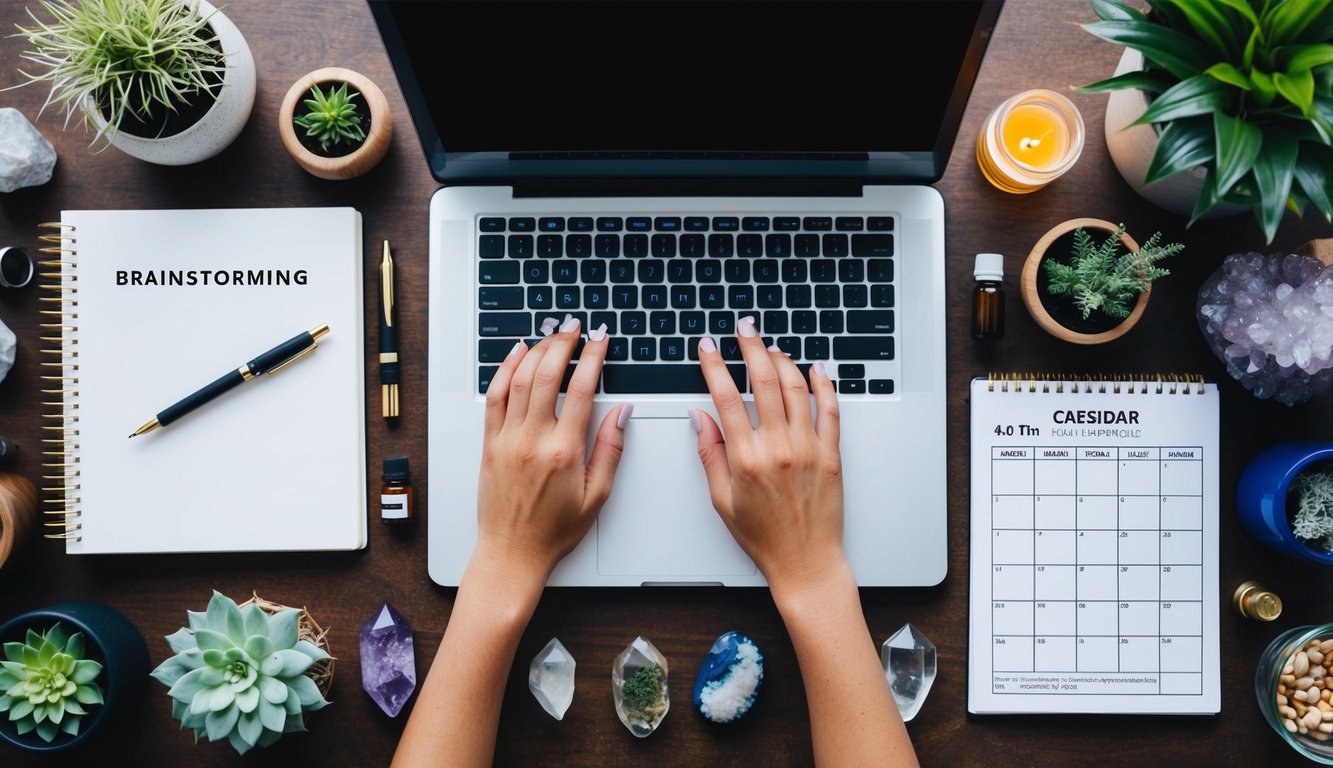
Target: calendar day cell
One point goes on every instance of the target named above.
(1097, 582)
(1138, 582)
(1056, 654)
(1054, 617)
(1011, 617)
(1011, 512)
(1181, 617)
(1182, 513)
(1140, 512)
(1097, 654)
(1138, 478)
(1138, 547)
(1182, 478)
(1097, 547)
(1181, 653)
(1097, 477)
(1011, 653)
(1051, 475)
(1139, 617)
(1182, 582)
(1182, 683)
(1054, 582)
(1138, 654)
(1098, 512)
(1182, 547)
(1011, 547)
(1010, 477)
(1054, 547)
(1054, 511)
(1097, 617)
(1011, 582)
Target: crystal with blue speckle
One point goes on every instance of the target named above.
(728, 682)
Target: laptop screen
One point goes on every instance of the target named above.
(870, 89)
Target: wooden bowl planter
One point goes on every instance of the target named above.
(379, 132)
(1056, 314)
(18, 515)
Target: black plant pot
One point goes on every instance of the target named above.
(111, 639)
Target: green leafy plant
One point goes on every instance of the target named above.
(45, 682)
(108, 59)
(1242, 88)
(1099, 279)
(241, 674)
(331, 118)
(642, 694)
(1313, 520)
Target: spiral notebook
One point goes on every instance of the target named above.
(1094, 554)
(143, 307)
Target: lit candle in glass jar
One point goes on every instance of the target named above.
(1029, 141)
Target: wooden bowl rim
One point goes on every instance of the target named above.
(329, 167)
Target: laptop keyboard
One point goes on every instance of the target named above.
(820, 287)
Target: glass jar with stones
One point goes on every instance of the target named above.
(1291, 688)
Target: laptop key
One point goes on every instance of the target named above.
(740, 297)
(798, 296)
(766, 271)
(539, 297)
(680, 271)
(863, 348)
(730, 347)
(851, 386)
(683, 297)
(851, 371)
(617, 348)
(712, 296)
(621, 271)
(565, 271)
(664, 246)
(596, 297)
(693, 246)
(726, 223)
(824, 271)
(768, 296)
(708, 271)
(786, 223)
(737, 271)
(807, 246)
(633, 323)
(851, 271)
(693, 323)
(551, 224)
(881, 386)
(777, 246)
(491, 246)
(635, 246)
(794, 271)
(827, 296)
(500, 298)
(522, 224)
(872, 245)
(520, 246)
(536, 272)
(880, 270)
(504, 323)
(638, 224)
(610, 224)
(662, 323)
(578, 246)
(593, 271)
(492, 224)
(607, 246)
(497, 272)
(722, 323)
(818, 223)
(879, 223)
(849, 223)
(625, 297)
(567, 297)
(881, 295)
(816, 348)
(609, 319)
(484, 375)
(755, 223)
(789, 344)
(662, 379)
(493, 350)
(643, 348)
(831, 321)
(696, 223)
(580, 224)
(749, 246)
(855, 296)
(667, 223)
(652, 271)
(721, 246)
(870, 321)
(654, 297)
(671, 348)
(835, 246)
(775, 321)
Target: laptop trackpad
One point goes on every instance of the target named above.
(660, 521)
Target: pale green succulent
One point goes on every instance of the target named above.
(240, 674)
(45, 683)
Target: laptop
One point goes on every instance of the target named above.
(667, 168)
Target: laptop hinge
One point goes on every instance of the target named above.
(546, 188)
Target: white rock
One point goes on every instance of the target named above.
(9, 345)
(27, 159)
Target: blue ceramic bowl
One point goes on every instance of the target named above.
(1261, 495)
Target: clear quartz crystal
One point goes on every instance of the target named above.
(909, 664)
(639, 687)
(551, 679)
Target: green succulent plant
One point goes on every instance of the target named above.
(331, 118)
(1101, 280)
(240, 674)
(1242, 88)
(45, 683)
(113, 58)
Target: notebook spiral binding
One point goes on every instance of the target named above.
(60, 383)
(1115, 383)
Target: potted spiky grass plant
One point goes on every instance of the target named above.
(167, 81)
(335, 123)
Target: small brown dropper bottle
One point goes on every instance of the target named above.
(396, 495)
(988, 297)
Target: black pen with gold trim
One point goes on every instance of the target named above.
(270, 362)
(388, 337)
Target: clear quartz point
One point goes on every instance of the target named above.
(639, 687)
(909, 664)
(551, 679)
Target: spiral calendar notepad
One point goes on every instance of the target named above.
(1094, 549)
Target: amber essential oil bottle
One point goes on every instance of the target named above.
(396, 495)
(988, 297)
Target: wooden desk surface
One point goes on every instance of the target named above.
(1037, 44)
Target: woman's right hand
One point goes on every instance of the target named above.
(777, 486)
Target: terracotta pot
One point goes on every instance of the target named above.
(364, 157)
(1032, 297)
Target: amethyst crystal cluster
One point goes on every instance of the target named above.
(1270, 319)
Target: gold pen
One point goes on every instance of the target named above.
(388, 338)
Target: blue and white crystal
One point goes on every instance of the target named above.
(728, 682)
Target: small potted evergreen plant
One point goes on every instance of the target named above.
(67, 670)
(1088, 292)
(335, 123)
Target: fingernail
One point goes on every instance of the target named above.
(773, 348)
(598, 333)
(706, 345)
(517, 346)
(626, 411)
(745, 326)
(695, 421)
(571, 324)
(819, 369)
(548, 326)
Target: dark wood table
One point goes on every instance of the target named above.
(1038, 43)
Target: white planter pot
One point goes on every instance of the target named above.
(1132, 151)
(216, 130)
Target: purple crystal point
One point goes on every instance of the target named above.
(388, 666)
